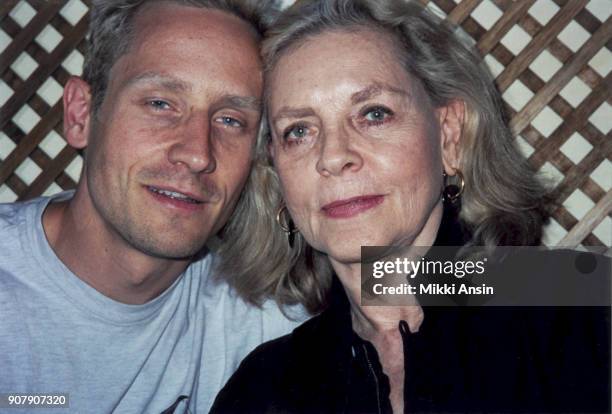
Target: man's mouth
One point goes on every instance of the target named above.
(174, 195)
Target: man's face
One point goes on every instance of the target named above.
(170, 150)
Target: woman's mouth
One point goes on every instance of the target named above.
(351, 207)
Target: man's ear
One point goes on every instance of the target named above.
(77, 112)
(451, 118)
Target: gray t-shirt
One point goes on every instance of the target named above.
(60, 335)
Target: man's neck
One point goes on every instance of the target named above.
(103, 259)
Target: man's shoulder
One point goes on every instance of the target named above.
(17, 213)
(220, 300)
(12, 214)
(15, 256)
(22, 241)
(16, 222)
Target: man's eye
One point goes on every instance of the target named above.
(377, 114)
(229, 121)
(158, 104)
(295, 132)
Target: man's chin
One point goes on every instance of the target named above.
(170, 247)
(174, 252)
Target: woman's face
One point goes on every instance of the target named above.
(357, 145)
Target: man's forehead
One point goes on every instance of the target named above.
(161, 14)
(195, 51)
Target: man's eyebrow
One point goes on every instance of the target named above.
(376, 89)
(288, 112)
(244, 102)
(165, 81)
(178, 85)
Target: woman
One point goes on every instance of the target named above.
(377, 112)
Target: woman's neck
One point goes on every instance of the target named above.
(369, 321)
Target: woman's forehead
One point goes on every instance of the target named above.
(354, 61)
(333, 85)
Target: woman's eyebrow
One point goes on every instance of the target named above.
(288, 112)
(376, 89)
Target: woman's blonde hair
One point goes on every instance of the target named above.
(503, 202)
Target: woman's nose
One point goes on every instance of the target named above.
(338, 155)
(193, 147)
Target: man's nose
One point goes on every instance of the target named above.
(193, 147)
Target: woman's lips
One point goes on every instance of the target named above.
(351, 206)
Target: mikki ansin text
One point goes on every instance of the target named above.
(432, 289)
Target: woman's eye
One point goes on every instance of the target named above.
(229, 121)
(159, 104)
(295, 132)
(377, 114)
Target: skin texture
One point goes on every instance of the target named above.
(356, 125)
(348, 121)
(181, 113)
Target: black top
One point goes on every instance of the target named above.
(468, 360)
(484, 359)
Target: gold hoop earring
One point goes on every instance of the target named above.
(286, 224)
(452, 191)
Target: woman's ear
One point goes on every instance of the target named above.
(77, 112)
(451, 118)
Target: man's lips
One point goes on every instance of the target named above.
(351, 206)
(175, 196)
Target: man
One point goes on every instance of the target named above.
(106, 294)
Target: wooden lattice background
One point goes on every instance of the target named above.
(551, 59)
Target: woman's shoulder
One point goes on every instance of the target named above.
(254, 385)
(273, 357)
(260, 384)
(293, 373)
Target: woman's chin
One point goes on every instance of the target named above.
(351, 253)
(350, 249)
